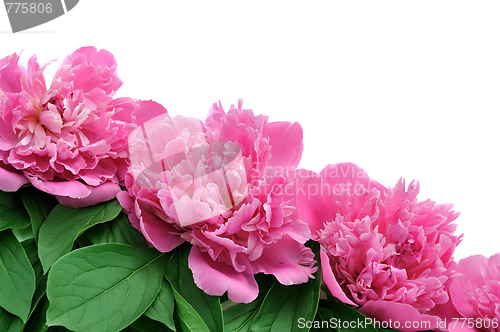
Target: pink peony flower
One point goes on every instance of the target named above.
(69, 140)
(475, 293)
(222, 186)
(384, 251)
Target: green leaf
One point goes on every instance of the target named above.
(239, 316)
(9, 322)
(283, 306)
(39, 293)
(162, 309)
(322, 322)
(57, 329)
(145, 324)
(129, 329)
(63, 226)
(38, 204)
(40, 278)
(17, 277)
(119, 230)
(31, 251)
(38, 321)
(103, 287)
(180, 276)
(188, 317)
(345, 318)
(12, 212)
(22, 234)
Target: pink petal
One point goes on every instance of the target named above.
(125, 201)
(71, 188)
(157, 232)
(9, 138)
(215, 117)
(215, 245)
(40, 136)
(342, 173)
(147, 110)
(105, 192)
(123, 108)
(191, 212)
(494, 266)
(51, 119)
(445, 311)
(36, 85)
(404, 317)
(330, 280)
(97, 58)
(469, 281)
(470, 266)
(288, 260)
(89, 69)
(11, 180)
(10, 74)
(286, 143)
(136, 111)
(313, 202)
(215, 278)
(128, 204)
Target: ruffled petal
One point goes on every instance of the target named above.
(105, 192)
(446, 312)
(10, 74)
(330, 280)
(215, 117)
(286, 140)
(89, 69)
(471, 266)
(216, 278)
(290, 261)
(147, 110)
(468, 282)
(123, 109)
(69, 188)
(342, 173)
(9, 137)
(11, 180)
(65, 139)
(159, 233)
(125, 201)
(128, 204)
(313, 202)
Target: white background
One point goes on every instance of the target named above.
(403, 89)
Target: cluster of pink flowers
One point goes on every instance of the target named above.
(385, 251)
(215, 185)
(70, 139)
(229, 187)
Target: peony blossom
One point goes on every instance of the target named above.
(384, 251)
(69, 140)
(475, 293)
(224, 187)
